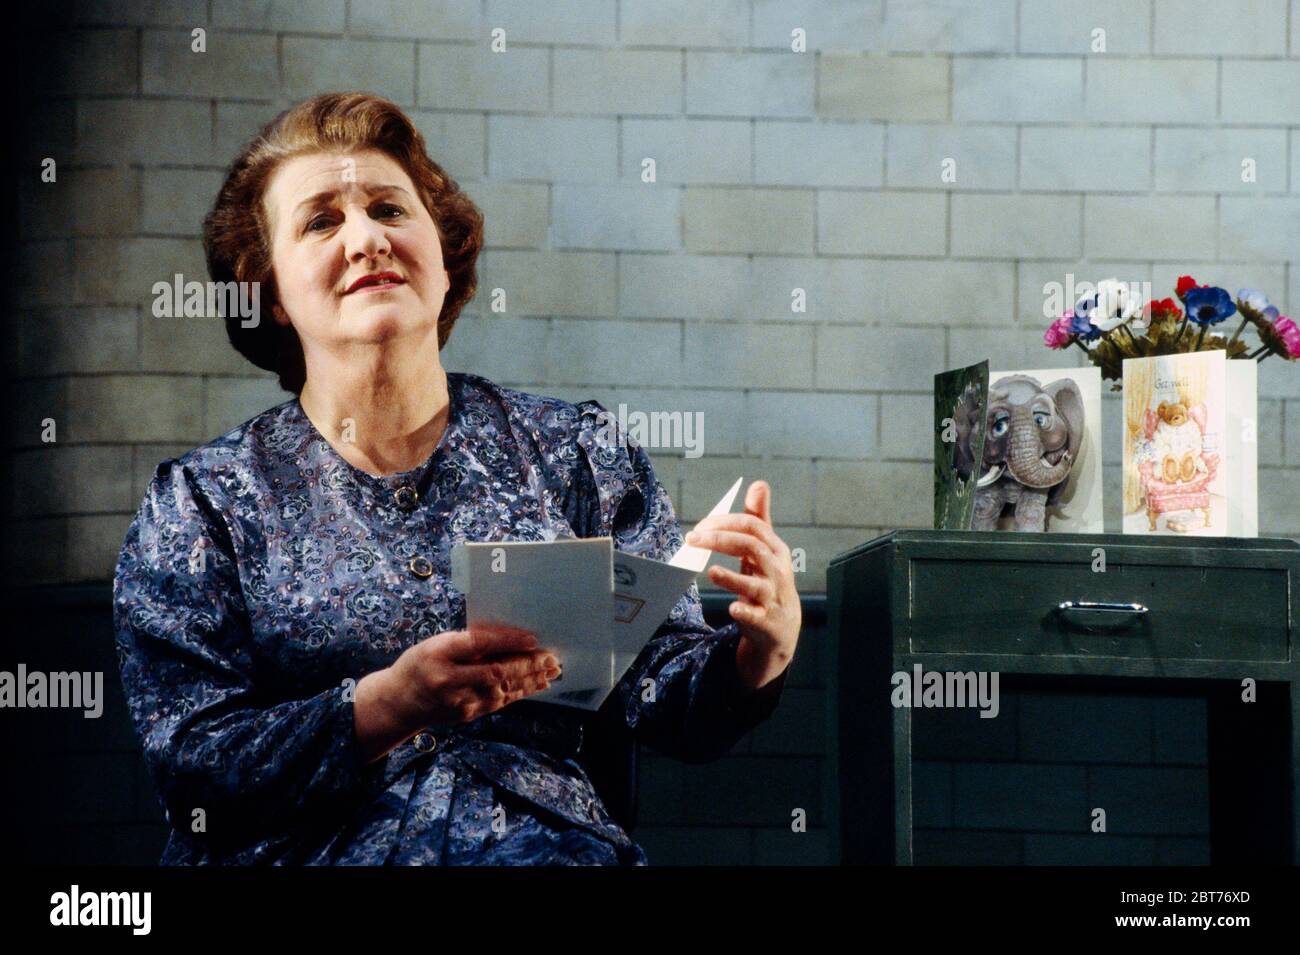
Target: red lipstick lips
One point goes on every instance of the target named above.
(375, 278)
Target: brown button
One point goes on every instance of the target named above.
(406, 497)
(421, 567)
(425, 742)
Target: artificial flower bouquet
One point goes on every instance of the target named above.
(1112, 324)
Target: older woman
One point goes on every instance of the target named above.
(292, 648)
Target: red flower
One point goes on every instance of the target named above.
(1185, 284)
(1161, 308)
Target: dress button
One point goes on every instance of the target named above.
(421, 567)
(425, 742)
(406, 497)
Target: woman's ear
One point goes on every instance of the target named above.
(281, 316)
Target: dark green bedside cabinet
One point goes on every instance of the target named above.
(1179, 615)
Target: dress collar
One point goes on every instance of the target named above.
(333, 463)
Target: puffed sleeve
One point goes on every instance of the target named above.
(214, 738)
(696, 710)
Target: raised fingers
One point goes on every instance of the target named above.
(507, 672)
(745, 546)
(756, 589)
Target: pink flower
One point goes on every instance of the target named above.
(1290, 334)
(1058, 333)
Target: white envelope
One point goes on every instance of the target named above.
(594, 606)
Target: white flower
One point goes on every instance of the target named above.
(1115, 305)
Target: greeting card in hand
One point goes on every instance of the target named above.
(1189, 445)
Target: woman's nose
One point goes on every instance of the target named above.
(363, 236)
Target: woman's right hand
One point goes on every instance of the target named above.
(454, 677)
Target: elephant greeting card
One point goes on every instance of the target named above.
(1028, 447)
(1190, 446)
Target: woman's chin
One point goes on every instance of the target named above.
(381, 322)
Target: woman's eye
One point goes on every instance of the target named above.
(319, 220)
(388, 209)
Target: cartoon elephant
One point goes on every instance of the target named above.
(1032, 441)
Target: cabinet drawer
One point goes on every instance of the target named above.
(1008, 606)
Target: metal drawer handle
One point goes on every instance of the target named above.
(1106, 606)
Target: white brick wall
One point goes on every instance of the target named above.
(775, 171)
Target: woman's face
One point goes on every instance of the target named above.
(335, 218)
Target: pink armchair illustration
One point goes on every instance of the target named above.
(1177, 486)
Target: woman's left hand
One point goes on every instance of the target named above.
(768, 613)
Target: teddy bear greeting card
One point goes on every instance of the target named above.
(1190, 445)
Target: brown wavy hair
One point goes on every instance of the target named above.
(236, 235)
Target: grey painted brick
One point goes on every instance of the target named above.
(1266, 228)
(123, 271)
(1276, 508)
(94, 542)
(553, 147)
(565, 21)
(881, 223)
(748, 355)
(818, 425)
(661, 794)
(684, 286)
(877, 358)
(749, 84)
(1101, 159)
(145, 459)
(1172, 850)
(1020, 226)
(712, 474)
(70, 340)
(1094, 848)
(723, 412)
(960, 733)
(1270, 447)
(35, 551)
(695, 845)
(819, 546)
(72, 480)
(773, 788)
(106, 201)
(1154, 227)
(1291, 411)
(682, 23)
(931, 794)
(1018, 795)
(1277, 379)
(638, 82)
(1210, 160)
(786, 847)
(833, 25)
(748, 220)
(436, 19)
(899, 435)
(1014, 90)
(190, 346)
(638, 217)
(456, 141)
(871, 493)
(145, 131)
(984, 157)
(696, 151)
(878, 87)
(386, 67)
(1295, 160)
(1065, 26)
(833, 289)
(515, 214)
(163, 408)
(50, 132)
(1173, 91)
(1180, 727)
(641, 353)
(956, 26)
(1007, 349)
(175, 201)
(797, 728)
(293, 16)
(237, 124)
(44, 272)
(229, 402)
(945, 292)
(819, 154)
(142, 12)
(1151, 800)
(35, 402)
(1080, 728)
(474, 77)
(233, 64)
(47, 210)
(955, 847)
(1222, 28)
(97, 62)
(550, 283)
(1049, 288)
(1269, 278)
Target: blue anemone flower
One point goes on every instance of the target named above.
(1082, 326)
(1208, 306)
